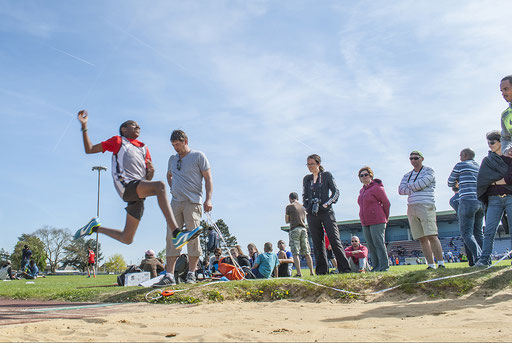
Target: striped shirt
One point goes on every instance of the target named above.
(465, 173)
(419, 186)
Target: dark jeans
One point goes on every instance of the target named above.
(471, 217)
(317, 224)
(454, 203)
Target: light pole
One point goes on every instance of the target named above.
(99, 169)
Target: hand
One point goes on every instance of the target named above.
(501, 182)
(83, 117)
(324, 205)
(509, 153)
(207, 205)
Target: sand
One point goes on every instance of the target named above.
(470, 318)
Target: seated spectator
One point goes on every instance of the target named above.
(285, 260)
(357, 255)
(32, 271)
(151, 264)
(213, 263)
(266, 263)
(243, 261)
(6, 271)
(253, 253)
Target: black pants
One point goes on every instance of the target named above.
(316, 230)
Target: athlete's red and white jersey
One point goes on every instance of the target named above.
(128, 160)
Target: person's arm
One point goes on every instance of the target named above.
(403, 188)
(335, 192)
(454, 176)
(423, 181)
(282, 258)
(208, 185)
(305, 195)
(348, 252)
(169, 179)
(382, 197)
(83, 118)
(150, 170)
(286, 215)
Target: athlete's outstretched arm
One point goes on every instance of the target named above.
(83, 117)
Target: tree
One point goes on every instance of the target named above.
(76, 253)
(37, 247)
(115, 263)
(231, 240)
(4, 256)
(161, 254)
(54, 241)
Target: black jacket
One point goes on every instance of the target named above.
(324, 185)
(492, 169)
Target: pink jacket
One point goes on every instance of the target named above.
(373, 204)
(356, 256)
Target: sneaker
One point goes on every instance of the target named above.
(441, 266)
(480, 264)
(191, 277)
(87, 229)
(184, 237)
(165, 281)
(430, 268)
(361, 271)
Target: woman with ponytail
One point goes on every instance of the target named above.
(319, 193)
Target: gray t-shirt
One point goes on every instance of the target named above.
(187, 182)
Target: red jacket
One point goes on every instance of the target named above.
(356, 256)
(373, 204)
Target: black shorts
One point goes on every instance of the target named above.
(90, 264)
(135, 206)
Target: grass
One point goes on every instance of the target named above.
(83, 289)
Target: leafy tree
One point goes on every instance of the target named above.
(115, 263)
(161, 255)
(76, 253)
(37, 247)
(224, 229)
(54, 241)
(4, 256)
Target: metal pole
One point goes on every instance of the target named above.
(99, 169)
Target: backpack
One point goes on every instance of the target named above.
(230, 271)
(131, 269)
(181, 268)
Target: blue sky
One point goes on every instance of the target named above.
(257, 86)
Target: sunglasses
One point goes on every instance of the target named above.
(492, 142)
(311, 164)
(178, 165)
(363, 175)
(415, 158)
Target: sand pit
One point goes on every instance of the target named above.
(470, 318)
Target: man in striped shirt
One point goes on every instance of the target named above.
(470, 211)
(419, 185)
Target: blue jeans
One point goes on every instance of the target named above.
(471, 217)
(375, 238)
(495, 209)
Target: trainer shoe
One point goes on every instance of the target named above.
(87, 229)
(165, 281)
(480, 264)
(184, 237)
(441, 266)
(191, 277)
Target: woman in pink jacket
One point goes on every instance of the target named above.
(374, 213)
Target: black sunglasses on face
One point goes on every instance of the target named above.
(178, 165)
(492, 142)
(414, 158)
(363, 175)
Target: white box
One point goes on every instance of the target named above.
(134, 279)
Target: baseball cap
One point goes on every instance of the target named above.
(416, 152)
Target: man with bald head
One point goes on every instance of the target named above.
(470, 211)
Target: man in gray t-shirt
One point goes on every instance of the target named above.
(185, 175)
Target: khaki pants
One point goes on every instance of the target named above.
(188, 214)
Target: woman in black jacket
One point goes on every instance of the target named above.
(319, 192)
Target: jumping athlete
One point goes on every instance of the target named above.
(132, 172)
